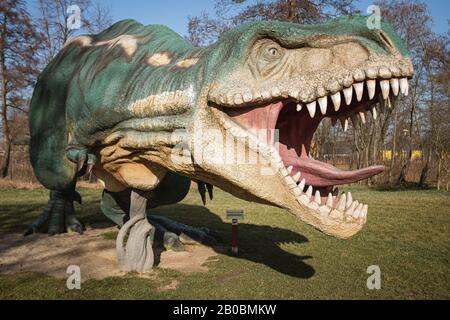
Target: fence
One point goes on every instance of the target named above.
(21, 171)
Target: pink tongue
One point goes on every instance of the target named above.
(320, 174)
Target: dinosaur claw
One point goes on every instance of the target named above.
(210, 190)
(80, 155)
(80, 163)
(202, 191)
(203, 195)
(92, 159)
(89, 168)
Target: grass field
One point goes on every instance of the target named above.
(407, 236)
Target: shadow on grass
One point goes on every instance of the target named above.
(408, 186)
(257, 243)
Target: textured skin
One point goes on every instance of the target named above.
(116, 99)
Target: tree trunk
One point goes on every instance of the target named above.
(424, 173)
(292, 6)
(402, 176)
(5, 126)
(394, 147)
(438, 175)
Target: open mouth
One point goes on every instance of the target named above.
(296, 121)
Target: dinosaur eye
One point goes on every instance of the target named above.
(274, 52)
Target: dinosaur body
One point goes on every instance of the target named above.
(147, 111)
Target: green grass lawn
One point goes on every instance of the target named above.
(407, 236)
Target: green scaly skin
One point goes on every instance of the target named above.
(112, 102)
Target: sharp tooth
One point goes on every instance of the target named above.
(349, 200)
(395, 86)
(301, 185)
(348, 93)
(311, 108)
(384, 84)
(358, 210)
(309, 191)
(342, 203)
(317, 197)
(323, 103)
(364, 211)
(354, 212)
(374, 113)
(296, 177)
(359, 89)
(362, 115)
(351, 209)
(404, 87)
(388, 103)
(289, 169)
(371, 88)
(299, 107)
(336, 100)
(330, 200)
(344, 123)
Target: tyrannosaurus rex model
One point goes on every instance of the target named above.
(148, 112)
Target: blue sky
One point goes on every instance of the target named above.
(174, 13)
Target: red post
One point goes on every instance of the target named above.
(234, 235)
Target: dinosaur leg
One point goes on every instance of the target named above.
(172, 234)
(137, 254)
(58, 216)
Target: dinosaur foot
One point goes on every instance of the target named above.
(58, 216)
(174, 235)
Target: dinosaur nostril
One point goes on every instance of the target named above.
(386, 40)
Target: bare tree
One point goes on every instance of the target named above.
(18, 46)
(205, 29)
(54, 23)
(424, 113)
(100, 17)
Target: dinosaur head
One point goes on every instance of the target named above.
(273, 86)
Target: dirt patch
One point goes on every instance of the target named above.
(171, 286)
(95, 255)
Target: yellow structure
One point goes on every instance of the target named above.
(416, 154)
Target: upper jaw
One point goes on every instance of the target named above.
(235, 92)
